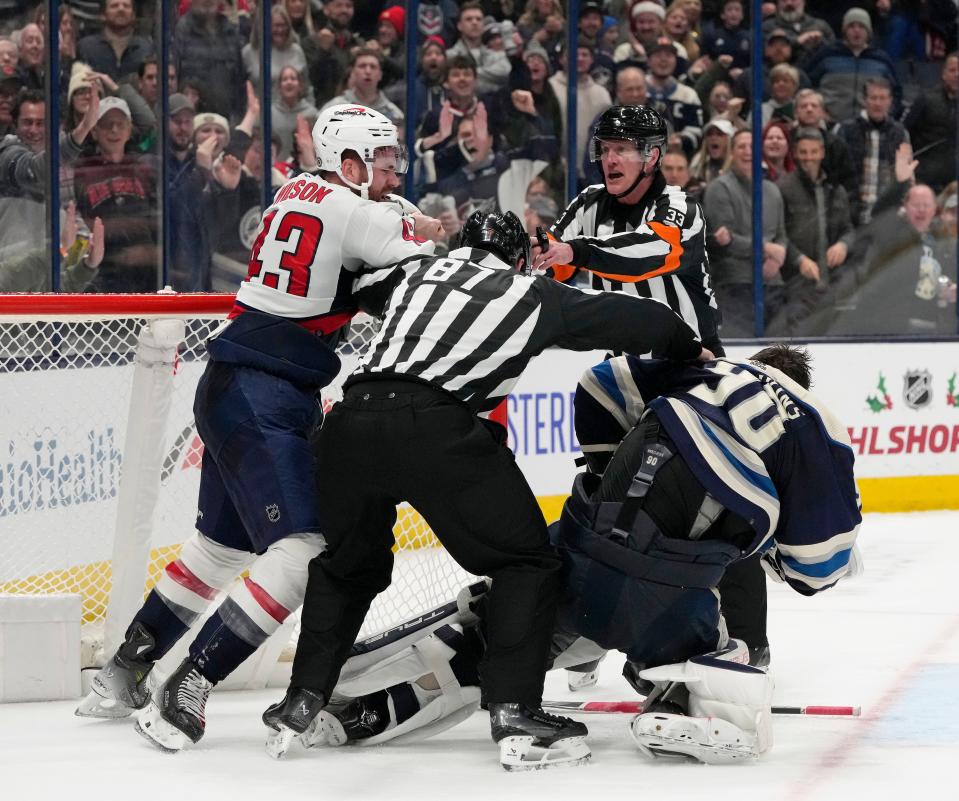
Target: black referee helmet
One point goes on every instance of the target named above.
(500, 234)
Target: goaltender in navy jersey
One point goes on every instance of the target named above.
(655, 248)
(469, 323)
(312, 240)
(763, 446)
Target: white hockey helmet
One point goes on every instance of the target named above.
(350, 126)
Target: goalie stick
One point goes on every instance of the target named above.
(635, 707)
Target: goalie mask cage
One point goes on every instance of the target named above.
(100, 460)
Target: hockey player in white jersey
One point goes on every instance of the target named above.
(255, 406)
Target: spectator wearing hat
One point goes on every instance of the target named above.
(730, 37)
(872, 139)
(207, 48)
(645, 27)
(285, 50)
(591, 100)
(428, 91)
(390, 32)
(590, 26)
(116, 50)
(190, 258)
(820, 233)
(366, 73)
(810, 113)
(808, 33)
(840, 70)
(541, 212)
(121, 189)
(711, 158)
(548, 107)
(931, 122)
(672, 98)
(492, 66)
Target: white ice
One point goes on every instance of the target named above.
(888, 641)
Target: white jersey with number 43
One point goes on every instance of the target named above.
(311, 241)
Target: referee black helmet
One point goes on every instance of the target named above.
(641, 125)
(500, 234)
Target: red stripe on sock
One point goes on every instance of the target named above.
(275, 610)
(182, 575)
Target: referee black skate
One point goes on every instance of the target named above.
(457, 332)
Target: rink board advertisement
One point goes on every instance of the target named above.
(899, 401)
(61, 453)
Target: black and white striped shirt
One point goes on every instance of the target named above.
(655, 248)
(469, 323)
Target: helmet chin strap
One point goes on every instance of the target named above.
(364, 188)
(643, 173)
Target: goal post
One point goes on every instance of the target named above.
(99, 456)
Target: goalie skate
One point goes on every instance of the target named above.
(710, 740)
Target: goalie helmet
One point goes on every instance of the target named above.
(641, 125)
(500, 234)
(356, 128)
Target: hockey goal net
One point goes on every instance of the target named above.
(99, 467)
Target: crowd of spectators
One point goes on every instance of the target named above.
(858, 121)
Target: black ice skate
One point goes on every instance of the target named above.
(530, 739)
(177, 715)
(121, 685)
(290, 718)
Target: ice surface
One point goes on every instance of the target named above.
(888, 641)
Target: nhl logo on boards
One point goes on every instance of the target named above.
(273, 513)
(917, 388)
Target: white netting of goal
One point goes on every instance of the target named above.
(63, 439)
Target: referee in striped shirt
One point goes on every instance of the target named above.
(635, 234)
(457, 332)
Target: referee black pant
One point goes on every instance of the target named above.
(393, 440)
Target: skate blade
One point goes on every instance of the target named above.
(673, 737)
(96, 706)
(159, 733)
(522, 753)
(279, 742)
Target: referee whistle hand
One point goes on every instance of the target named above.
(557, 253)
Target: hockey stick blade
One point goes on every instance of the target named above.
(635, 707)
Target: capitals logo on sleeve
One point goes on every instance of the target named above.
(409, 231)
